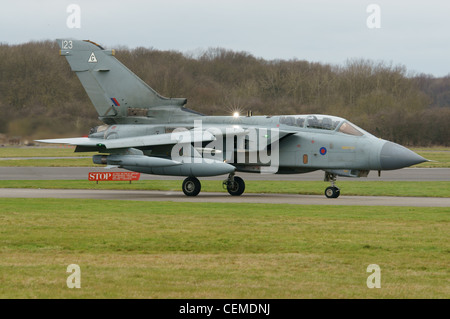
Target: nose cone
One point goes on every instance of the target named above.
(394, 156)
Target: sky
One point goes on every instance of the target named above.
(412, 33)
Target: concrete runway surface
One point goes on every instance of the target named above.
(205, 197)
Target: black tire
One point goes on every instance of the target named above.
(332, 192)
(338, 192)
(236, 187)
(191, 186)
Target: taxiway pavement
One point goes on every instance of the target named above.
(205, 197)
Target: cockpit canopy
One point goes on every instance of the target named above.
(322, 122)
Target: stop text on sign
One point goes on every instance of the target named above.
(114, 176)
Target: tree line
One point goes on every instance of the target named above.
(40, 97)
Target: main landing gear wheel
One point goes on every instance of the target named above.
(235, 185)
(332, 192)
(191, 186)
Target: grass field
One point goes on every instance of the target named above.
(204, 250)
(61, 151)
(131, 249)
(359, 188)
(440, 156)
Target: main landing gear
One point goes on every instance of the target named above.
(191, 186)
(233, 184)
(333, 191)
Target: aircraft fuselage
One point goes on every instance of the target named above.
(306, 143)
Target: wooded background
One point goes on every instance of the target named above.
(41, 98)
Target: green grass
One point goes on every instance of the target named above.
(440, 157)
(360, 188)
(17, 153)
(206, 250)
(69, 162)
(61, 151)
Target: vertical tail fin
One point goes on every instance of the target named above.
(114, 90)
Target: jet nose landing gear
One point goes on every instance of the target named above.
(332, 191)
(234, 185)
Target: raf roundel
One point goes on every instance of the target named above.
(323, 151)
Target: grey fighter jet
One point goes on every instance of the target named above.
(148, 133)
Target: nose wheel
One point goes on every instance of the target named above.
(332, 191)
(234, 185)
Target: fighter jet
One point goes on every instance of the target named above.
(148, 133)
